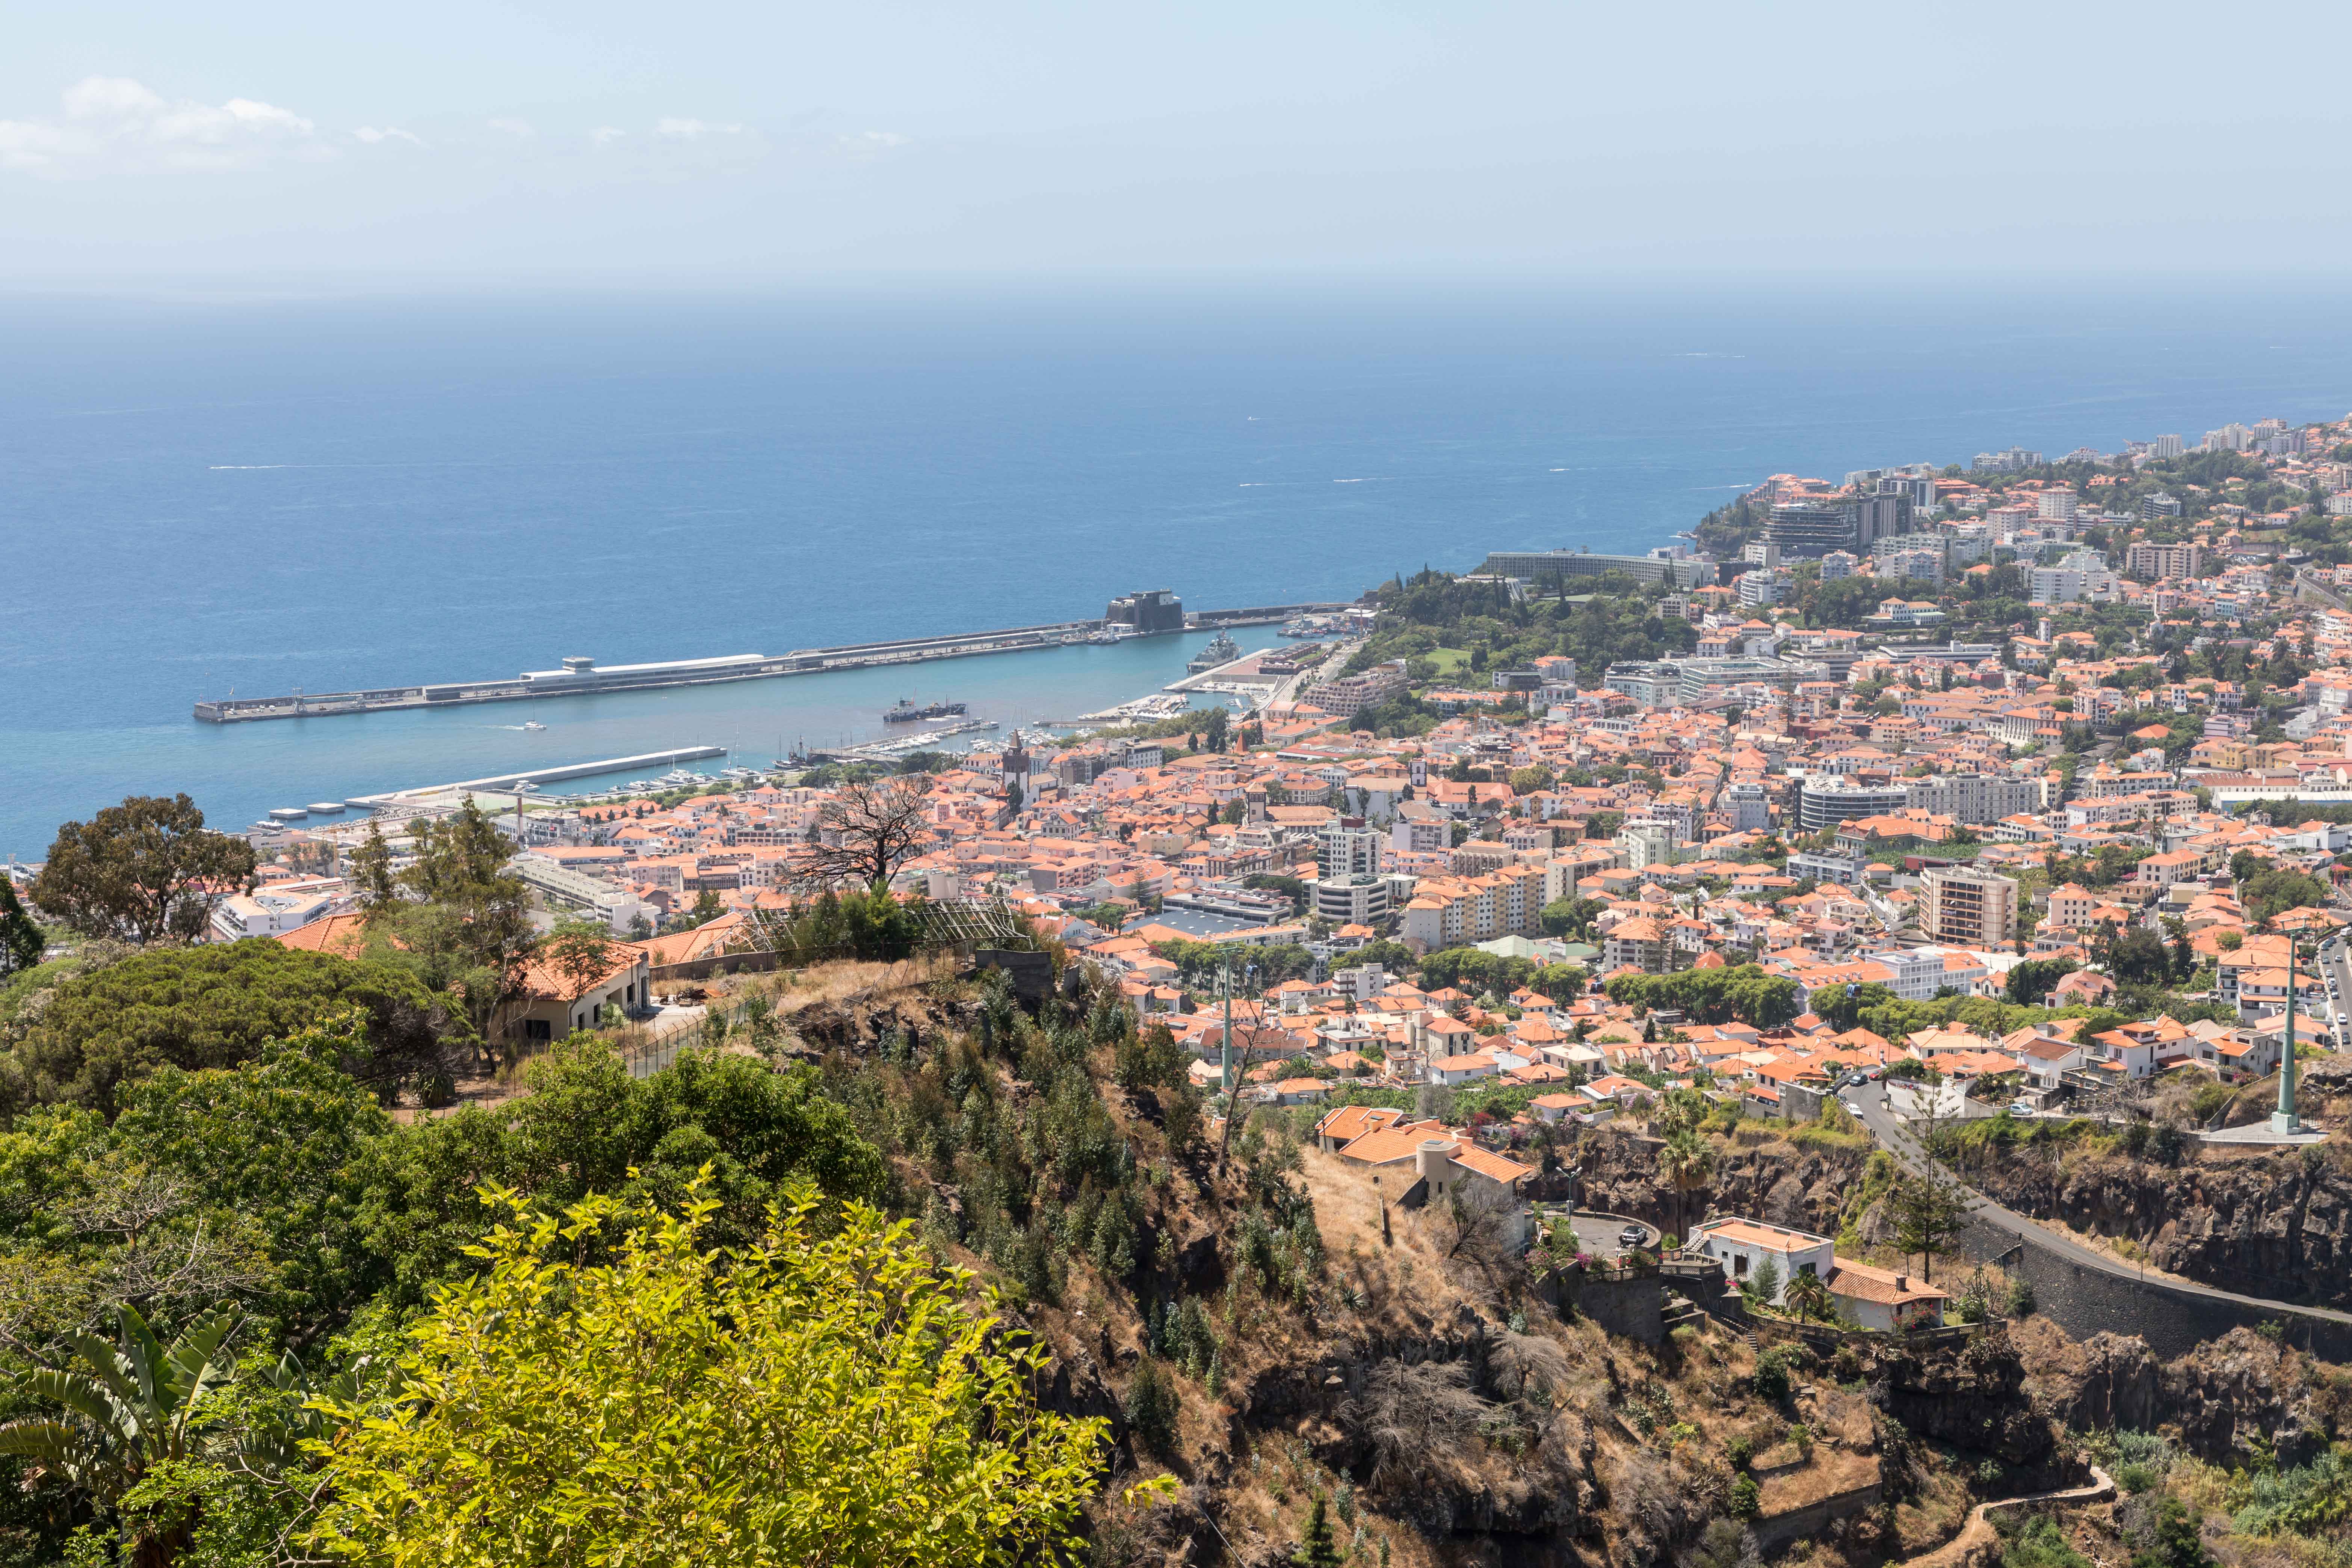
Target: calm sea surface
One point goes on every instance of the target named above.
(202, 498)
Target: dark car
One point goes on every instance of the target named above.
(1633, 1236)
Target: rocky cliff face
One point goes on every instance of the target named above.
(1970, 1396)
(1618, 1174)
(2222, 1398)
(2265, 1223)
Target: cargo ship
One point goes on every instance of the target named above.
(905, 713)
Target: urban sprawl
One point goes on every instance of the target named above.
(1787, 1042)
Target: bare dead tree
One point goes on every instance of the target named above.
(865, 832)
(1412, 1416)
(1480, 1219)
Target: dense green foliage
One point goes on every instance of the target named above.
(820, 1394)
(214, 1007)
(1742, 993)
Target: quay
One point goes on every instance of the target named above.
(1157, 613)
(543, 775)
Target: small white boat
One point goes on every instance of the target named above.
(532, 724)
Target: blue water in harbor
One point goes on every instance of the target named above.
(201, 497)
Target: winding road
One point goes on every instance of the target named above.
(1892, 1135)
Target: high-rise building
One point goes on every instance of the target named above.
(2080, 576)
(1762, 552)
(1969, 908)
(2165, 447)
(2151, 562)
(2162, 503)
(2056, 505)
(1974, 797)
(1349, 851)
(1826, 804)
(1838, 564)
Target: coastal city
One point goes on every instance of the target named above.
(1890, 936)
(1936, 731)
(1174, 786)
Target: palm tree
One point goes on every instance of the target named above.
(127, 1413)
(1685, 1159)
(1808, 1295)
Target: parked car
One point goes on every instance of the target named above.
(2022, 1108)
(1633, 1236)
(1851, 1107)
(1875, 1074)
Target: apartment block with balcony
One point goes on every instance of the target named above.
(1969, 908)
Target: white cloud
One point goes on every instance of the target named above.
(372, 135)
(692, 130)
(116, 123)
(514, 127)
(878, 139)
(604, 135)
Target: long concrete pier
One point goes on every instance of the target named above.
(582, 676)
(545, 776)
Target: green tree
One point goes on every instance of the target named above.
(1929, 1210)
(21, 942)
(1317, 1549)
(125, 1410)
(216, 1005)
(1808, 1296)
(146, 870)
(471, 930)
(2031, 980)
(2042, 1544)
(589, 1126)
(1764, 1285)
(1219, 720)
(2174, 1542)
(822, 1395)
(370, 869)
(1685, 1159)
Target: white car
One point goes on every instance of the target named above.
(1851, 1107)
(2022, 1108)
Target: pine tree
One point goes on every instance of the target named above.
(21, 942)
(1318, 1550)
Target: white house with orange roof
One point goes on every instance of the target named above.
(1874, 1297)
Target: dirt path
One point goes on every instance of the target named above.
(1978, 1533)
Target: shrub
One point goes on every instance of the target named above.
(1771, 1380)
(1747, 1498)
(1740, 1451)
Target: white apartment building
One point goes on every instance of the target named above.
(272, 910)
(2084, 575)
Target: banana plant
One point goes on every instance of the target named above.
(128, 1405)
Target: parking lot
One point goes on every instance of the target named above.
(1599, 1237)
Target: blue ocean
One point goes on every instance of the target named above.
(208, 496)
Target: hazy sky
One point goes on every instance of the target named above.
(169, 143)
